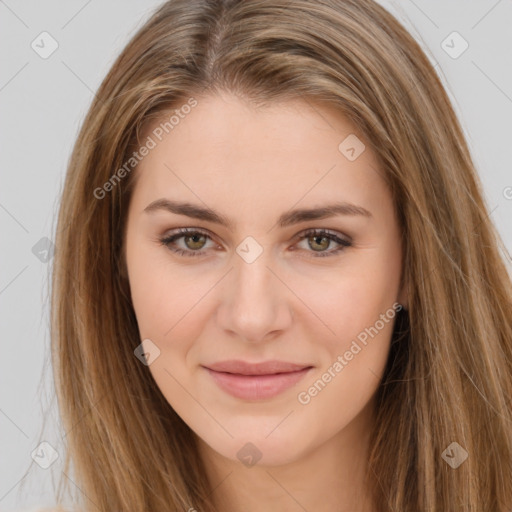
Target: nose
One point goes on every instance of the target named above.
(255, 303)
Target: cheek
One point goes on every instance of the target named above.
(166, 309)
(351, 299)
(161, 295)
(357, 306)
(361, 314)
(362, 321)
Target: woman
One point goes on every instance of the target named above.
(276, 285)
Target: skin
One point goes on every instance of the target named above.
(251, 165)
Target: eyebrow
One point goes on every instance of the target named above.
(288, 218)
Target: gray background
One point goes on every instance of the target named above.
(43, 102)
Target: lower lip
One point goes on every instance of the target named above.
(256, 387)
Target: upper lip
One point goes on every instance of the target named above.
(264, 368)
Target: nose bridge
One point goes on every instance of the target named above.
(253, 280)
(254, 301)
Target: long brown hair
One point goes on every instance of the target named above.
(449, 374)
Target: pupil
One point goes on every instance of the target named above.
(317, 238)
(194, 239)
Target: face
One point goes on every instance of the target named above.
(258, 236)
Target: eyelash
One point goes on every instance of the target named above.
(182, 232)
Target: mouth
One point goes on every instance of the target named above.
(256, 381)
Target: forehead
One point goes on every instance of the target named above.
(225, 149)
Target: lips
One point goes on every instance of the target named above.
(256, 381)
(264, 368)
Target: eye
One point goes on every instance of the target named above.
(321, 239)
(195, 240)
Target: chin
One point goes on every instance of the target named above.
(255, 447)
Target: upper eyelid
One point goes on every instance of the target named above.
(302, 233)
(181, 232)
